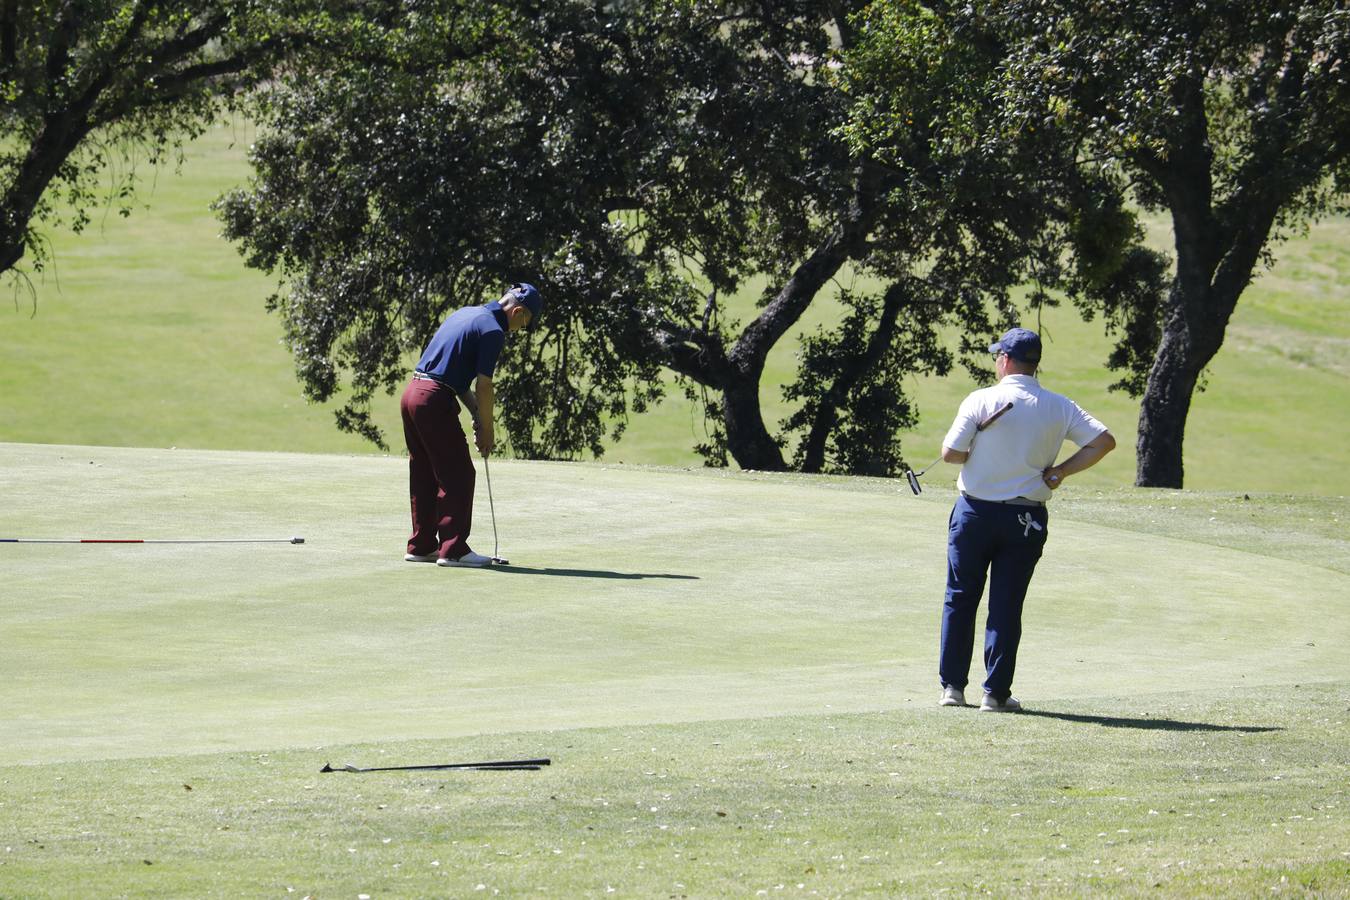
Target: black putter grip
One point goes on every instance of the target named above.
(994, 418)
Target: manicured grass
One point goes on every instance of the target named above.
(1186, 794)
(150, 332)
(732, 672)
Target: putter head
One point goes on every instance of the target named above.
(913, 481)
(500, 561)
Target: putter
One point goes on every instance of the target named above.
(913, 477)
(471, 403)
(504, 765)
(496, 560)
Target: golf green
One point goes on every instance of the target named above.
(634, 596)
(732, 673)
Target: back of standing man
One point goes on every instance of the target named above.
(999, 524)
(463, 352)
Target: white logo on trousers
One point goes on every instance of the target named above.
(1028, 523)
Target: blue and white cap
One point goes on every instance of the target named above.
(1020, 344)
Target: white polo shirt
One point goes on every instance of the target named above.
(1007, 458)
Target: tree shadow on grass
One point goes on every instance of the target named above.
(1149, 724)
(588, 573)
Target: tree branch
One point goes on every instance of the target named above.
(172, 87)
(796, 295)
(695, 354)
(82, 106)
(64, 33)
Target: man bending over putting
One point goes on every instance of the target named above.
(998, 525)
(441, 475)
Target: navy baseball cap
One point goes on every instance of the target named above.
(528, 295)
(1020, 344)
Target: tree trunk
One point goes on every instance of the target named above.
(10, 253)
(1193, 331)
(50, 148)
(1214, 266)
(748, 440)
(1163, 412)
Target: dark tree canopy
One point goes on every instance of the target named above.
(641, 161)
(84, 83)
(1229, 115)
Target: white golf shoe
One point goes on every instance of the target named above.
(422, 557)
(469, 560)
(952, 696)
(992, 705)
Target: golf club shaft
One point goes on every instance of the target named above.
(294, 540)
(980, 427)
(914, 479)
(994, 418)
(492, 508)
(471, 402)
(927, 467)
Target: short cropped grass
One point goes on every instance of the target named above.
(732, 672)
(1184, 793)
(150, 332)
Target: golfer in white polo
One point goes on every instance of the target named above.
(999, 524)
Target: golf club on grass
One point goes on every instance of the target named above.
(504, 765)
(913, 477)
(294, 540)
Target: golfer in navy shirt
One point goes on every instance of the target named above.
(463, 352)
(998, 525)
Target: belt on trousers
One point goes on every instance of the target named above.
(423, 376)
(1015, 501)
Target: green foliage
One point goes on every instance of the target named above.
(1261, 83)
(854, 427)
(1226, 114)
(602, 152)
(1007, 202)
(85, 87)
(192, 359)
(642, 161)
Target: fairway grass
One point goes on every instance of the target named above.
(732, 672)
(1187, 793)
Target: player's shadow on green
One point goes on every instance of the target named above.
(1148, 724)
(589, 573)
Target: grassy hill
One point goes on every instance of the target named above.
(732, 672)
(150, 332)
(738, 695)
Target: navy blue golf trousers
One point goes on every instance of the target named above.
(1005, 541)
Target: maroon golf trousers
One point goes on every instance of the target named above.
(440, 470)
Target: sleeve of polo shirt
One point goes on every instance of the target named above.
(962, 432)
(489, 348)
(1083, 429)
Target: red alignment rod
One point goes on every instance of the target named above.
(294, 540)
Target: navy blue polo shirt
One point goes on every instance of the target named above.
(467, 344)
